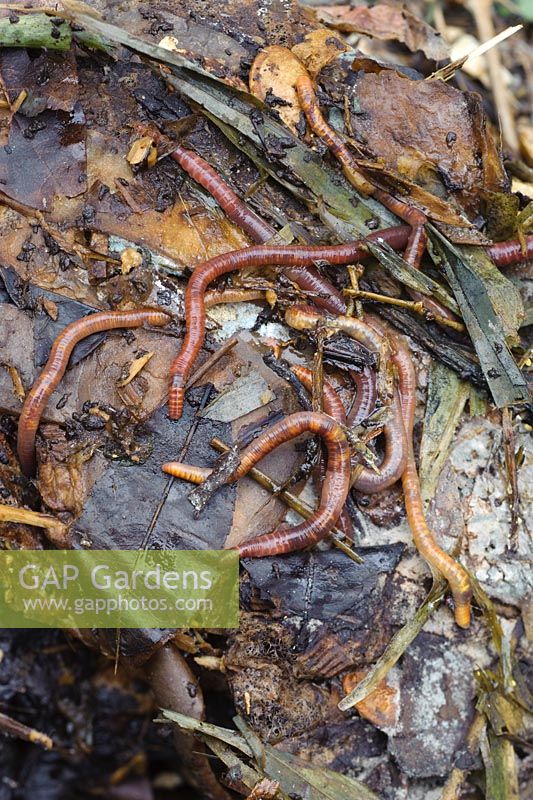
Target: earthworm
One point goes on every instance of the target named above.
(308, 279)
(365, 397)
(334, 489)
(505, 254)
(393, 463)
(215, 298)
(333, 406)
(423, 537)
(204, 174)
(257, 256)
(417, 240)
(50, 377)
(319, 126)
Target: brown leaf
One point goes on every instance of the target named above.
(51, 308)
(44, 158)
(135, 367)
(318, 49)
(273, 75)
(139, 150)
(431, 134)
(381, 706)
(51, 80)
(388, 23)
(129, 259)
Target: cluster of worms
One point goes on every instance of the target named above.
(329, 310)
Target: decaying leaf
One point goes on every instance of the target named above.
(135, 367)
(430, 133)
(35, 30)
(50, 80)
(501, 769)
(446, 398)
(54, 144)
(485, 326)
(272, 78)
(264, 790)
(139, 150)
(50, 307)
(244, 395)
(293, 776)
(397, 646)
(129, 259)
(381, 706)
(387, 22)
(319, 48)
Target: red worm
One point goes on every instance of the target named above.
(332, 404)
(309, 279)
(366, 395)
(55, 367)
(215, 298)
(258, 256)
(416, 243)
(334, 489)
(505, 254)
(423, 537)
(204, 174)
(319, 126)
(393, 464)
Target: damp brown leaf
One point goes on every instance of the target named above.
(390, 23)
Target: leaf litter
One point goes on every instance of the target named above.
(310, 618)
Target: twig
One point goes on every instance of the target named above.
(206, 366)
(57, 531)
(15, 728)
(482, 13)
(416, 306)
(452, 788)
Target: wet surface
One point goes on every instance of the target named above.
(107, 520)
(308, 584)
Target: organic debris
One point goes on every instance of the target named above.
(139, 142)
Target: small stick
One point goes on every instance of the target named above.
(452, 788)
(354, 273)
(57, 530)
(206, 366)
(300, 506)
(416, 306)
(396, 648)
(482, 13)
(21, 731)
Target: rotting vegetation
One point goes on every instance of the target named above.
(191, 160)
